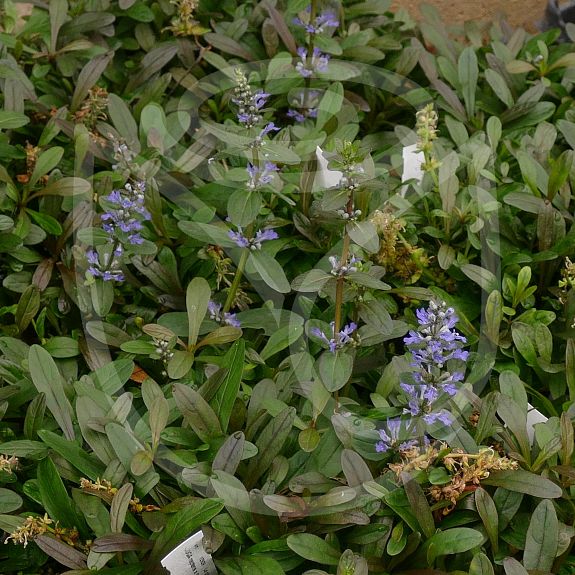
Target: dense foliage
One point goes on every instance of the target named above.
(223, 307)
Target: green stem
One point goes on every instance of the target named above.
(237, 279)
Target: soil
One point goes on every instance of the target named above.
(519, 13)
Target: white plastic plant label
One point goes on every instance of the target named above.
(413, 161)
(190, 558)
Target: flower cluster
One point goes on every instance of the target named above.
(215, 313)
(183, 23)
(249, 104)
(254, 243)
(336, 341)
(106, 263)
(104, 487)
(390, 437)
(305, 103)
(30, 529)
(339, 268)
(434, 347)
(163, 349)
(350, 217)
(123, 220)
(261, 176)
(326, 19)
(8, 464)
(467, 471)
(316, 62)
(426, 127)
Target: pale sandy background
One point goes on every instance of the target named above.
(524, 13)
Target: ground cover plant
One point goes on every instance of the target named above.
(293, 274)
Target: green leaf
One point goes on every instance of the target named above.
(499, 86)
(482, 277)
(313, 548)
(364, 233)
(270, 271)
(123, 121)
(452, 542)
(119, 507)
(419, 504)
(180, 364)
(480, 565)
(62, 552)
(335, 369)
(207, 233)
(197, 298)
(9, 501)
(230, 454)
(522, 481)
(58, 14)
(468, 71)
(84, 462)
(228, 45)
(181, 524)
(542, 538)
(279, 340)
(355, 469)
(88, 76)
(312, 281)
(65, 187)
(62, 347)
(225, 397)
(55, 498)
(197, 412)
(47, 380)
(28, 307)
(269, 444)
(244, 207)
(330, 104)
(513, 567)
(241, 565)
(308, 439)
(570, 368)
(11, 120)
(488, 513)
(34, 416)
(138, 347)
(493, 316)
(102, 296)
(46, 162)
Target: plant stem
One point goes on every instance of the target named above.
(339, 288)
(237, 279)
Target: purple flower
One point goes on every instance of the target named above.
(260, 177)
(123, 222)
(306, 102)
(250, 106)
(340, 269)
(105, 265)
(214, 311)
(238, 237)
(308, 66)
(295, 115)
(271, 127)
(254, 243)
(334, 343)
(437, 353)
(390, 437)
(326, 19)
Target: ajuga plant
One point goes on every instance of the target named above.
(294, 275)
